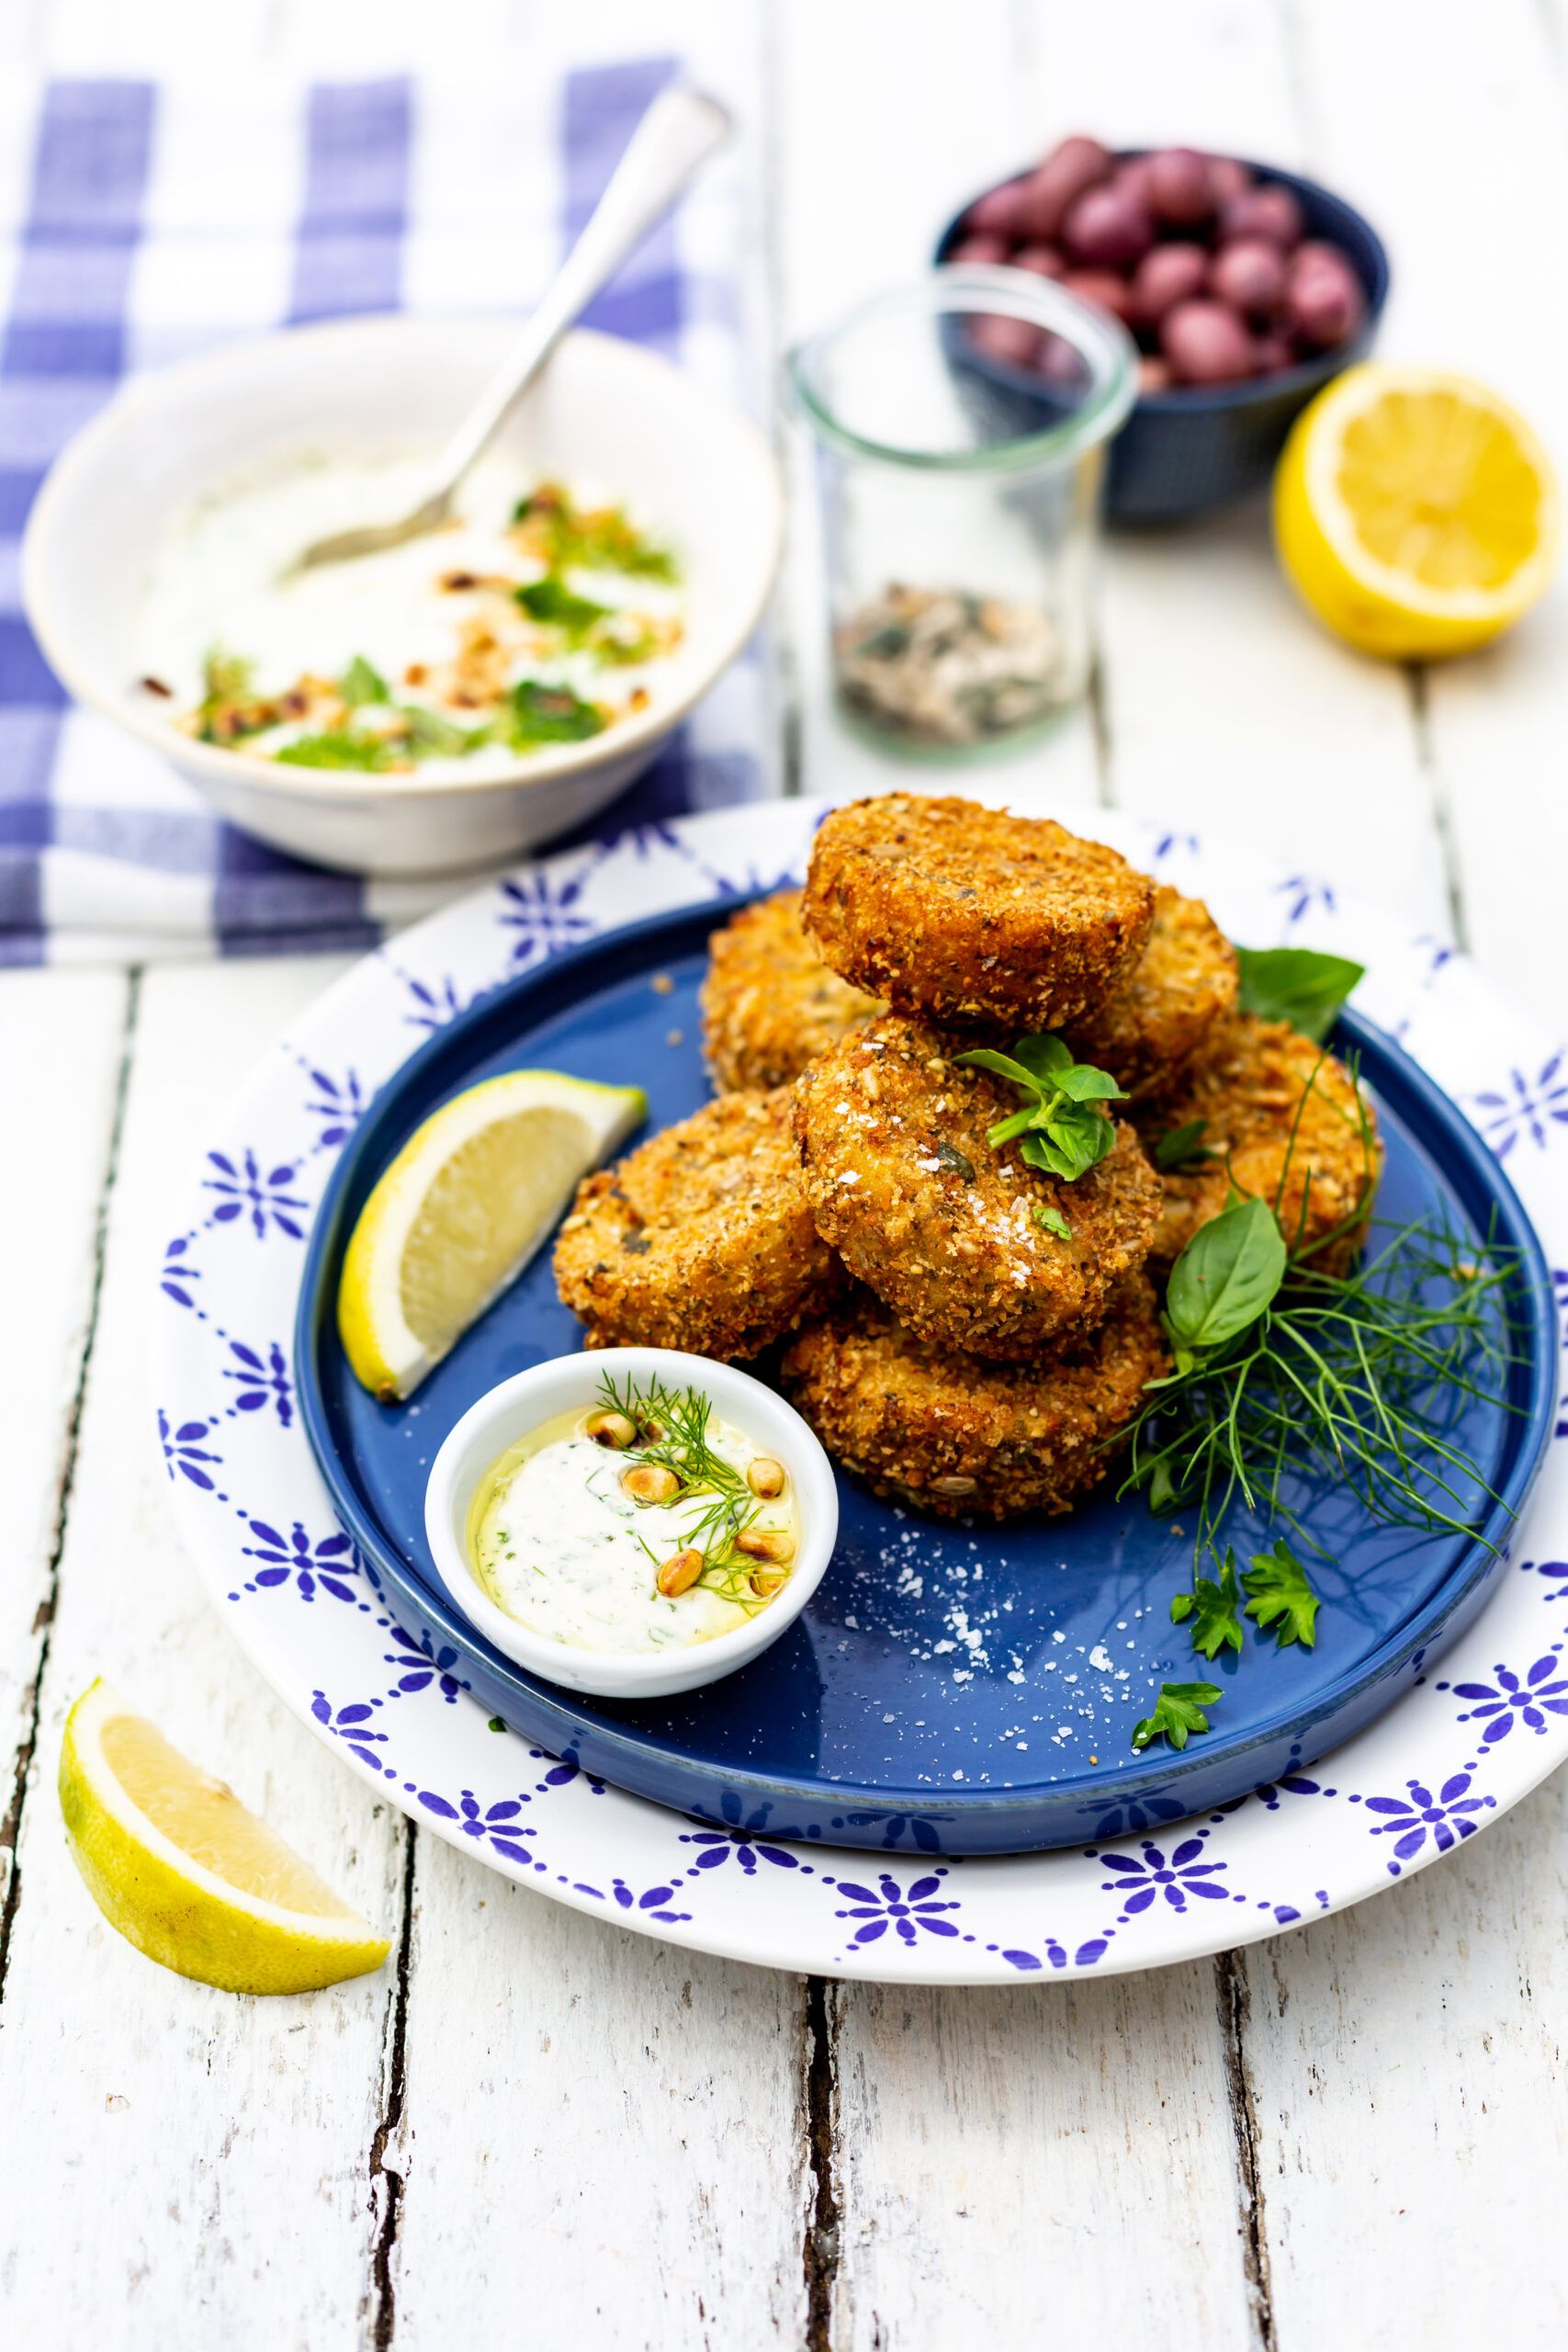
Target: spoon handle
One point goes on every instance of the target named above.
(679, 133)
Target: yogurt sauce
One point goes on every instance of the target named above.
(221, 577)
(557, 1542)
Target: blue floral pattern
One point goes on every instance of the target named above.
(1454, 1754)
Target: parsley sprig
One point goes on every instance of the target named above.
(1178, 1713)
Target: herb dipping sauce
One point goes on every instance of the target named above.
(559, 1541)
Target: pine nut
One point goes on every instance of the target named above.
(651, 1482)
(953, 1486)
(766, 1477)
(609, 1429)
(679, 1573)
(765, 1544)
(765, 1582)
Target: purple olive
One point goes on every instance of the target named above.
(1325, 302)
(981, 249)
(1051, 191)
(1179, 191)
(1206, 343)
(1168, 275)
(1046, 260)
(1133, 178)
(999, 212)
(1227, 179)
(1104, 289)
(1270, 212)
(1106, 229)
(1250, 276)
(1272, 354)
(1154, 375)
(1013, 341)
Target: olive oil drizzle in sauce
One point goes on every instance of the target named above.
(558, 1542)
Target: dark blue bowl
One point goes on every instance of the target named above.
(1185, 452)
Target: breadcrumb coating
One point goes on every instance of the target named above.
(905, 1186)
(1184, 981)
(702, 1238)
(962, 1438)
(1283, 1121)
(769, 1005)
(970, 914)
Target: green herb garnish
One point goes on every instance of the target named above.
(1183, 1147)
(1296, 984)
(1052, 1220)
(1179, 1712)
(1281, 1596)
(599, 539)
(341, 748)
(361, 683)
(1062, 1128)
(672, 1426)
(541, 714)
(431, 737)
(1210, 1608)
(550, 600)
(1228, 1274)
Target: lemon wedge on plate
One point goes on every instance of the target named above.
(462, 1209)
(176, 1864)
(1414, 512)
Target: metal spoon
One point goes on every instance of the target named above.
(679, 133)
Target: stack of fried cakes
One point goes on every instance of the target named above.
(966, 1333)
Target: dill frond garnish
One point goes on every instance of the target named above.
(673, 1432)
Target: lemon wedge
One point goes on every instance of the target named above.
(1414, 512)
(174, 1861)
(462, 1209)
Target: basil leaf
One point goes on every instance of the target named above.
(1044, 1054)
(1000, 1064)
(1083, 1083)
(1227, 1274)
(433, 737)
(1051, 1220)
(551, 601)
(1068, 1146)
(542, 713)
(1296, 984)
(366, 753)
(361, 682)
(1182, 1145)
(1005, 1129)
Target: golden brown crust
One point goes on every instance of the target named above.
(1284, 1118)
(967, 1439)
(1184, 981)
(904, 1185)
(702, 1238)
(969, 914)
(769, 1005)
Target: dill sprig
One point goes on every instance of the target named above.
(673, 1432)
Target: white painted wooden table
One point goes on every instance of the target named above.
(535, 2129)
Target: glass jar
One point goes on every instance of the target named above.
(960, 425)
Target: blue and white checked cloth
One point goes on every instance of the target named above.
(140, 222)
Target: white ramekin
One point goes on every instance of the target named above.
(603, 410)
(565, 1383)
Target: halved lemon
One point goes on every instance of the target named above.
(1414, 512)
(462, 1209)
(174, 1861)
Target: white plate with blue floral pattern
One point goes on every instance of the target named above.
(1459, 1748)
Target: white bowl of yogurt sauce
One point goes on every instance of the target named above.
(171, 515)
(521, 1508)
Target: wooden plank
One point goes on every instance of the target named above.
(214, 2151)
(1406, 2058)
(1064, 2151)
(1467, 177)
(63, 1042)
(1226, 711)
(862, 184)
(604, 2133)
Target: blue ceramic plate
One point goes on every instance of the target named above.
(978, 1683)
